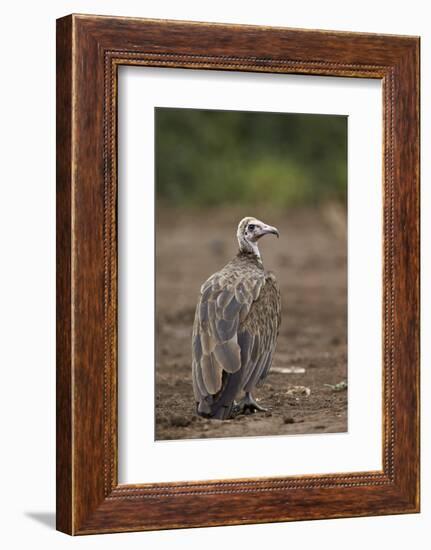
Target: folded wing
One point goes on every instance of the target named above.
(235, 329)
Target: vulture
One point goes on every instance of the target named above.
(235, 330)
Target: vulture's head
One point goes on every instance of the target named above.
(250, 230)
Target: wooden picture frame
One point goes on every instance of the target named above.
(89, 51)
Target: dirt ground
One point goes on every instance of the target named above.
(310, 263)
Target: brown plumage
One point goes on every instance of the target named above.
(235, 330)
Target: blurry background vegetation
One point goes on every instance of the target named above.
(210, 158)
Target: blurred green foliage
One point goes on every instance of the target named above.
(206, 158)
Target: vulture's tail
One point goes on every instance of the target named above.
(221, 405)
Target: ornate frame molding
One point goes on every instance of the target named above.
(90, 49)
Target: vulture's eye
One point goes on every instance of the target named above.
(251, 227)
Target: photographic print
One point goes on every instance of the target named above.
(251, 273)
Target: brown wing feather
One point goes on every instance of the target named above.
(224, 302)
(261, 327)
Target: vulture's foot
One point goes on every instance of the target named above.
(249, 405)
(236, 409)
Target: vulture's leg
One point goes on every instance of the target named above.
(249, 405)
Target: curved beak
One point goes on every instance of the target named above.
(269, 230)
